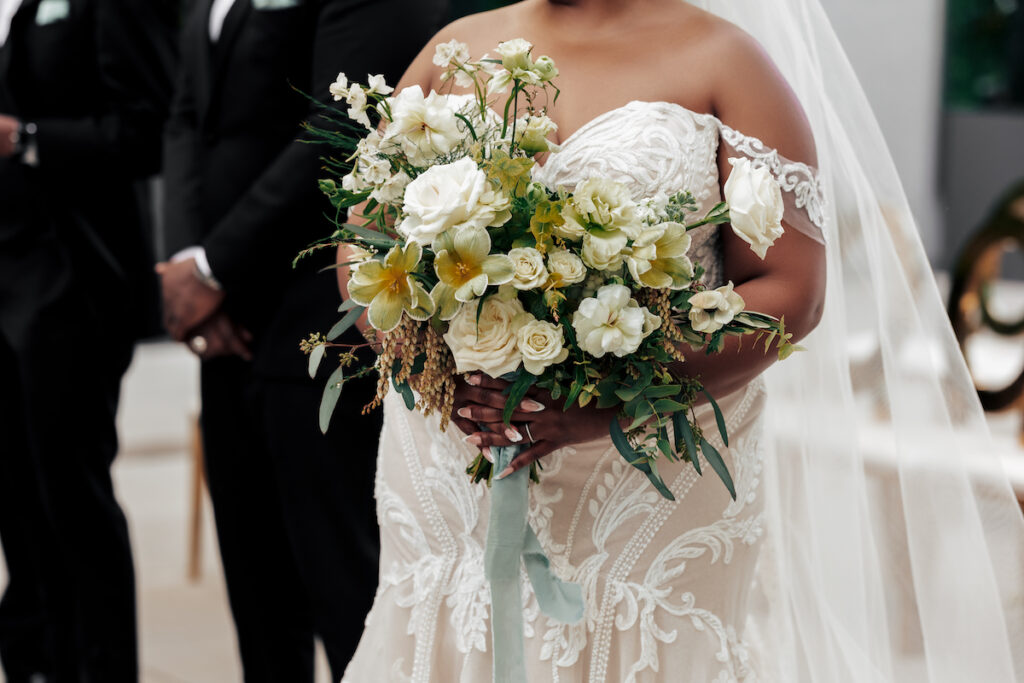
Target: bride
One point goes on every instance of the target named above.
(829, 565)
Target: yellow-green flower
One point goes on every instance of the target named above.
(465, 267)
(658, 258)
(389, 288)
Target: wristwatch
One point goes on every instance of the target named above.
(25, 147)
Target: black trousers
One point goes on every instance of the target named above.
(295, 516)
(68, 612)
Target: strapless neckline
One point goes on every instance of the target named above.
(633, 104)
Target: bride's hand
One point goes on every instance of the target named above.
(538, 422)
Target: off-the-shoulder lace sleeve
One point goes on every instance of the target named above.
(802, 191)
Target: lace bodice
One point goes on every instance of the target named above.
(656, 147)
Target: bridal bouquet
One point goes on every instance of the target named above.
(464, 262)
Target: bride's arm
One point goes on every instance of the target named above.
(752, 97)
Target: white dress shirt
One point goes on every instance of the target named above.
(218, 12)
(8, 8)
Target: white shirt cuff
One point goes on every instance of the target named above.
(198, 253)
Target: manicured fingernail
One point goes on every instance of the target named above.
(474, 439)
(531, 406)
(505, 472)
(464, 412)
(513, 435)
(486, 450)
(473, 379)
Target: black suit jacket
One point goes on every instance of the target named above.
(96, 81)
(239, 182)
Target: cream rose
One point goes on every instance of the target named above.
(492, 346)
(607, 204)
(542, 344)
(566, 267)
(604, 252)
(528, 263)
(612, 322)
(755, 205)
(449, 195)
(515, 54)
(713, 309)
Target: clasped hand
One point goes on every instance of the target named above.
(538, 422)
(194, 311)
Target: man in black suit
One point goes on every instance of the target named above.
(83, 96)
(294, 510)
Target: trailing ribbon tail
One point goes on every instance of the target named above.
(510, 541)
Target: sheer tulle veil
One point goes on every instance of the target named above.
(895, 544)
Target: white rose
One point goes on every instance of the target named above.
(425, 127)
(515, 54)
(445, 196)
(529, 268)
(604, 252)
(713, 309)
(542, 344)
(606, 203)
(567, 266)
(452, 52)
(612, 322)
(339, 89)
(492, 346)
(755, 205)
(391, 191)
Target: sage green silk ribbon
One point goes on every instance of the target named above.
(509, 541)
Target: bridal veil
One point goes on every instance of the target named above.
(896, 543)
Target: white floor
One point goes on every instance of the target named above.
(185, 627)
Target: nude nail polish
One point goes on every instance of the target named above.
(504, 473)
(530, 406)
(513, 434)
(464, 412)
(473, 439)
(486, 450)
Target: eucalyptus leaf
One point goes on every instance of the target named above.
(663, 391)
(332, 392)
(719, 418)
(667, 405)
(683, 425)
(516, 392)
(718, 465)
(347, 305)
(636, 460)
(346, 322)
(368, 234)
(315, 356)
(406, 391)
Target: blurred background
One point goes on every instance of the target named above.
(947, 83)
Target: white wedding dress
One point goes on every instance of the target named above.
(667, 585)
